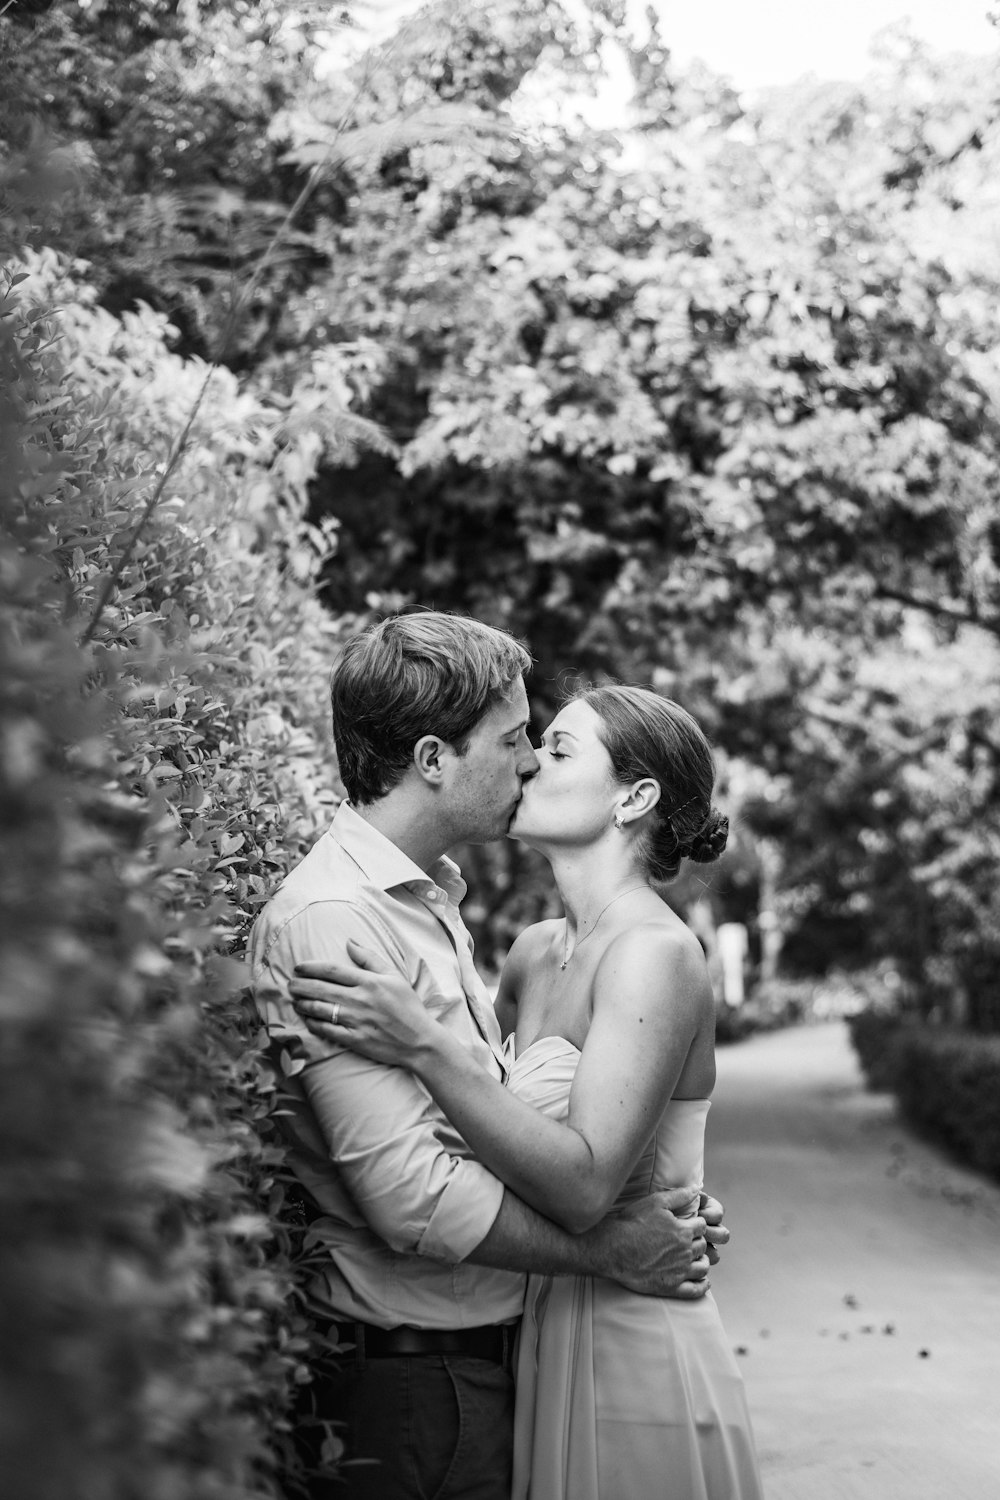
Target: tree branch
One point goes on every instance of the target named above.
(887, 740)
(942, 609)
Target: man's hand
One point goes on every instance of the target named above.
(716, 1233)
(657, 1246)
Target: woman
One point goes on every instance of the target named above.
(609, 1023)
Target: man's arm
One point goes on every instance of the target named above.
(423, 1200)
(382, 1133)
(386, 1140)
(644, 1247)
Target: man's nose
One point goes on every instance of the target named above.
(528, 762)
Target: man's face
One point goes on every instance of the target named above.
(485, 783)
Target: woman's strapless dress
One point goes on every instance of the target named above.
(619, 1396)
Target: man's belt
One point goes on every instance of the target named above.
(495, 1342)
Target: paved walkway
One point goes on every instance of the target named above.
(862, 1287)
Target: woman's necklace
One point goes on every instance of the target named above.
(621, 894)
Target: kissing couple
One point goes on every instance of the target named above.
(515, 1242)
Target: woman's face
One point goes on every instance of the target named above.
(574, 794)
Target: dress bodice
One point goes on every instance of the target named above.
(542, 1075)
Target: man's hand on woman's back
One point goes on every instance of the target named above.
(657, 1246)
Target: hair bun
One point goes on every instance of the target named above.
(710, 840)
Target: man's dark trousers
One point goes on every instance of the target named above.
(437, 1427)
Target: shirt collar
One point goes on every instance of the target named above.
(384, 863)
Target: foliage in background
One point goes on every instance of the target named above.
(171, 115)
(707, 401)
(711, 402)
(947, 1082)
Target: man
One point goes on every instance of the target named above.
(425, 1250)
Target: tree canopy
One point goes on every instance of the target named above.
(709, 401)
(706, 398)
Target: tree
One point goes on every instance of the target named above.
(701, 405)
(173, 113)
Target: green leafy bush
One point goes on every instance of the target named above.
(948, 1084)
(947, 1081)
(875, 1034)
(152, 746)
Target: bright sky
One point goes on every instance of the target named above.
(761, 42)
(776, 41)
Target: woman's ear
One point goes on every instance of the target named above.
(642, 797)
(427, 757)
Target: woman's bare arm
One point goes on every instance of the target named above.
(651, 1001)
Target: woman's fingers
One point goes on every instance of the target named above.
(319, 1010)
(330, 1014)
(364, 957)
(319, 992)
(339, 1034)
(343, 974)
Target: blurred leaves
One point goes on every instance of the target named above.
(151, 1333)
(363, 149)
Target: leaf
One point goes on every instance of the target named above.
(366, 147)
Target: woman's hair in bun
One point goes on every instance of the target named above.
(648, 735)
(711, 841)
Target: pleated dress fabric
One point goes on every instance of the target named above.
(620, 1396)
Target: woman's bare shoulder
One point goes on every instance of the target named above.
(530, 944)
(660, 954)
(523, 957)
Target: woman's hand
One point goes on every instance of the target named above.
(362, 1007)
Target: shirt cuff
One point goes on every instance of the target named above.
(463, 1215)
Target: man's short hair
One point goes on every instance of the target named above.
(411, 675)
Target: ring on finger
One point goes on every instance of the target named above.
(335, 1017)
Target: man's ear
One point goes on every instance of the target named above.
(428, 755)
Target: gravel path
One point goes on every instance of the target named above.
(862, 1287)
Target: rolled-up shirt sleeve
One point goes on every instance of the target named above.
(377, 1123)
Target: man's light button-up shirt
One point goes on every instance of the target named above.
(403, 1201)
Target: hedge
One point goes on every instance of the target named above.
(947, 1082)
(874, 1034)
(151, 1330)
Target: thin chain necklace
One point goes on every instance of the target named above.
(621, 895)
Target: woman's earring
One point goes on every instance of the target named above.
(619, 822)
